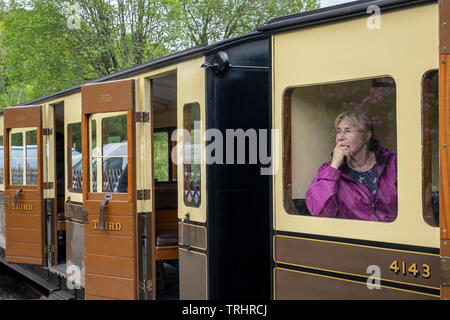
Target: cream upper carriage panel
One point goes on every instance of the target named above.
(404, 48)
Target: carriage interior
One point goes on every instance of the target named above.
(164, 98)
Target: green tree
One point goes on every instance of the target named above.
(49, 45)
(209, 21)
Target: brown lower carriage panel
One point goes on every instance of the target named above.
(24, 229)
(292, 285)
(110, 255)
(319, 269)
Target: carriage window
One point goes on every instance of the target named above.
(192, 155)
(94, 153)
(2, 157)
(340, 150)
(23, 154)
(430, 143)
(74, 158)
(31, 157)
(110, 155)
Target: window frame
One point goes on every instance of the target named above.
(98, 118)
(23, 132)
(286, 123)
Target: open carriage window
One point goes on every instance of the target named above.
(192, 155)
(23, 153)
(74, 158)
(430, 142)
(340, 150)
(110, 154)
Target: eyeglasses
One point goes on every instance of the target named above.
(345, 132)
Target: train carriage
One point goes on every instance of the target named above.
(88, 192)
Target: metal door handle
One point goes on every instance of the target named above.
(186, 217)
(102, 215)
(16, 196)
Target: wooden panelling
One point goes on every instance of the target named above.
(292, 285)
(354, 259)
(111, 266)
(25, 226)
(444, 23)
(166, 252)
(28, 260)
(126, 224)
(109, 245)
(444, 138)
(116, 288)
(108, 97)
(119, 208)
(166, 219)
(24, 235)
(24, 221)
(110, 255)
(93, 297)
(14, 249)
(22, 117)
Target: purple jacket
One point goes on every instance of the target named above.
(333, 193)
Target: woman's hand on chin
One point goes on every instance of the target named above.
(341, 151)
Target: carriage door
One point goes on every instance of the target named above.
(192, 228)
(112, 195)
(25, 222)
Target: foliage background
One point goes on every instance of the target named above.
(41, 52)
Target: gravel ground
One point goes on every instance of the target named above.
(11, 287)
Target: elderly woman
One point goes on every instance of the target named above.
(360, 181)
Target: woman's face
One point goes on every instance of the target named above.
(351, 136)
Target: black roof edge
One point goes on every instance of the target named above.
(128, 72)
(189, 53)
(336, 13)
(222, 45)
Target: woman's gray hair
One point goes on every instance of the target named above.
(359, 120)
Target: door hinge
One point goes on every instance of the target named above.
(47, 131)
(142, 116)
(48, 185)
(49, 248)
(146, 286)
(144, 194)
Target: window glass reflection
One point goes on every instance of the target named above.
(430, 142)
(75, 158)
(192, 155)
